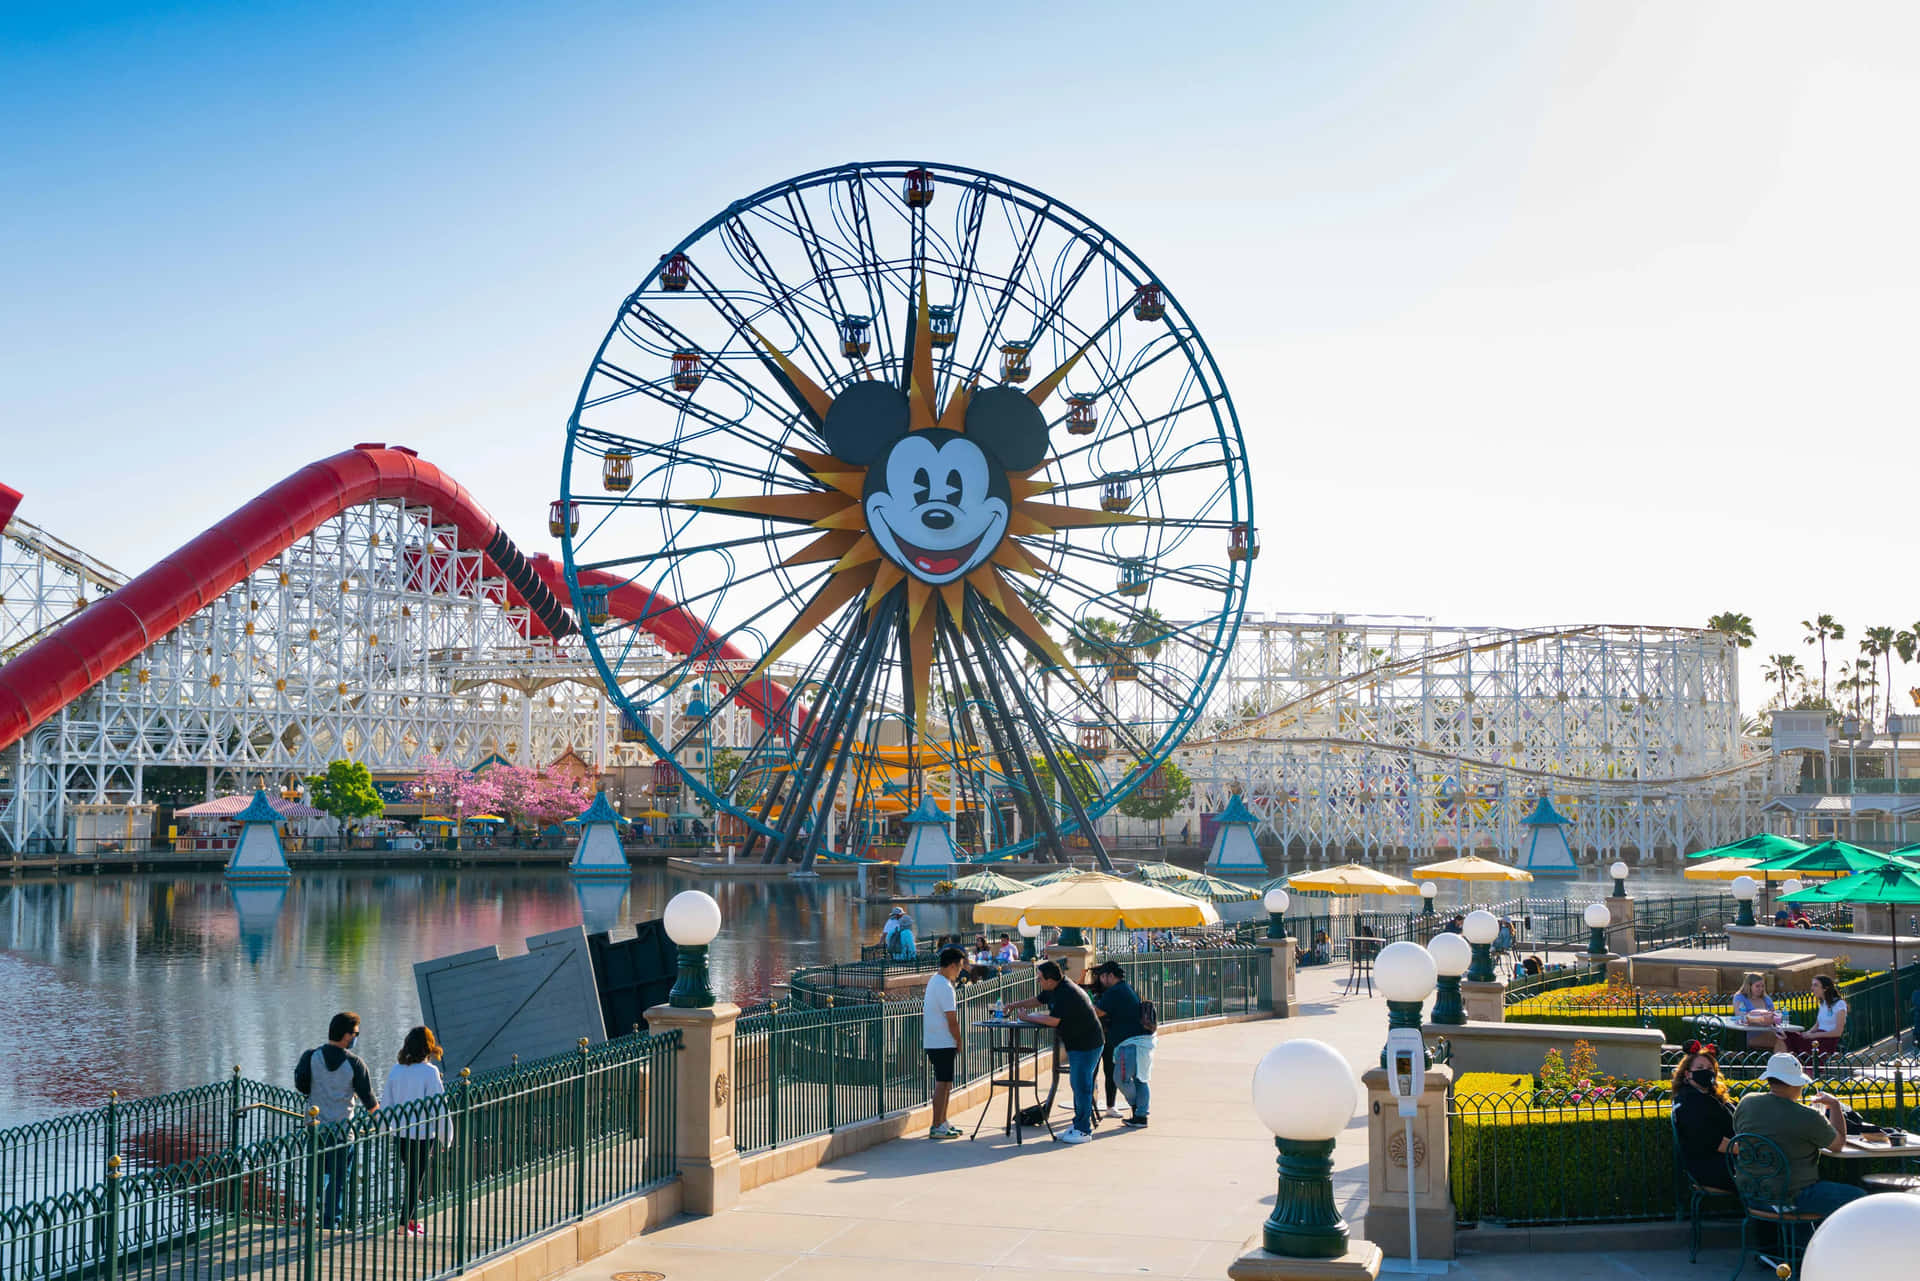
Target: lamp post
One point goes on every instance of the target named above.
(1427, 890)
(1597, 918)
(1276, 901)
(1451, 956)
(1744, 888)
(1481, 928)
(1866, 1240)
(1406, 973)
(1619, 873)
(692, 919)
(1028, 933)
(1304, 1092)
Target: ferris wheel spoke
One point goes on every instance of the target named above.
(781, 294)
(674, 553)
(872, 265)
(1205, 402)
(721, 370)
(1185, 577)
(1022, 256)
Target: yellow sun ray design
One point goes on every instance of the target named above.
(862, 571)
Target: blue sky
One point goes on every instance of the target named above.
(1532, 312)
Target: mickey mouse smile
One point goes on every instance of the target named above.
(937, 505)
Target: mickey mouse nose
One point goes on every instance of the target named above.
(937, 519)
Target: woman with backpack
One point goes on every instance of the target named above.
(1130, 1025)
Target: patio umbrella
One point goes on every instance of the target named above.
(1213, 889)
(1472, 868)
(1054, 878)
(1350, 878)
(1831, 858)
(1728, 869)
(485, 818)
(1164, 872)
(988, 885)
(436, 820)
(1895, 883)
(1765, 845)
(1094, 900)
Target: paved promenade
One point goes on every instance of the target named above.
(1178, 1199)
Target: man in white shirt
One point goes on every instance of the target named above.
(940, 1035)
(1007, 953)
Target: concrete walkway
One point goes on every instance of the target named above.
(1178, 1199)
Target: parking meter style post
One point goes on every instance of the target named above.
(1406, 1080)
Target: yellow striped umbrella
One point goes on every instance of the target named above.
(1350, 878)
(1094, 900)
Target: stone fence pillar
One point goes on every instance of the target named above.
(1484, 1002)
(1620, 925)
(703, 1104)
(1076, 962)
(1394, 1173)
(1281, 970)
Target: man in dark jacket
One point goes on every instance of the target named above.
(1070, 1009)
(1119, 1008)
(332, 1077)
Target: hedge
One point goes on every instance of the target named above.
(1515, 1162)
(1672, 1015)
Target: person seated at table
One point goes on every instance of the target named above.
(982, 962)
(1319, 952)
(1829, 1019)
(1752, 1007)
(1782, 919)
(1703, 1117)
(1006, 953)
(1801, 1132)
(1531, 966)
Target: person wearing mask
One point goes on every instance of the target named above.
(1121, 1012)
(333, 1077)
(940, 1036)
(416, 1076)
(1802, 1134)
(1069, 1009)
(1703, 1117)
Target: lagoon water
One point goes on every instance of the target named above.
(156, 982)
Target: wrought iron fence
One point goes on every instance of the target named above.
(494, 1162)
(804, 1071)
(1533, 1158)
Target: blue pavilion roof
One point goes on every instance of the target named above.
(599, 811)
(927, 812)
(259, 810)
(1236, 812)
(1544, 814)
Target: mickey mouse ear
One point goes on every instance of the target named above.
(1007, 424)
(864, 420)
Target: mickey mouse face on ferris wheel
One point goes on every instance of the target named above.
(936, 501)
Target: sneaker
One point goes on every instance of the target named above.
(1135, 1121)
(1113, 1114)
(944, 1132)
(1076, 1136)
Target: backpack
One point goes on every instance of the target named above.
(1149, 1018)
(901, 946)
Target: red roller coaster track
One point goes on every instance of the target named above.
(113, 630)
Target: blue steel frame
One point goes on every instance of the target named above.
(1200, 362)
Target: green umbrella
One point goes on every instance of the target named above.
(1163, 872)
(988, 884)
(1065, 873)
(1765, 845)
(1829, 857)
(1896, 882)
(1213, 889)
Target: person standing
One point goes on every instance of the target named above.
(332, 1077)
(414, 1077)
(1129, 1039)
(940, 1036)
(903, 944)
(1070, 1010)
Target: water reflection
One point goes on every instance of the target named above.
(151, 983)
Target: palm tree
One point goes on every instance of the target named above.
(1880, 642)
(1148, 632)
(1785, 668)
(1820, 631)
(1737, 628)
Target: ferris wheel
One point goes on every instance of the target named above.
(940, 494)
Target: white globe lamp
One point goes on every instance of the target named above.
(1028, 933)
(1744, 890)
(1619, 874)
(1481, 928)
(691, 920)
(1866, 1240)
(1275, 901)
(1451, 956)
(1306, 1094)
(1427, 892)
(1597, 918)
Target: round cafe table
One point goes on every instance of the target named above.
(1013, 1059)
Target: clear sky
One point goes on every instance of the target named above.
(1533, 312)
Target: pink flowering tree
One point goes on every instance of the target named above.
(448, 790)
(534, 798)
